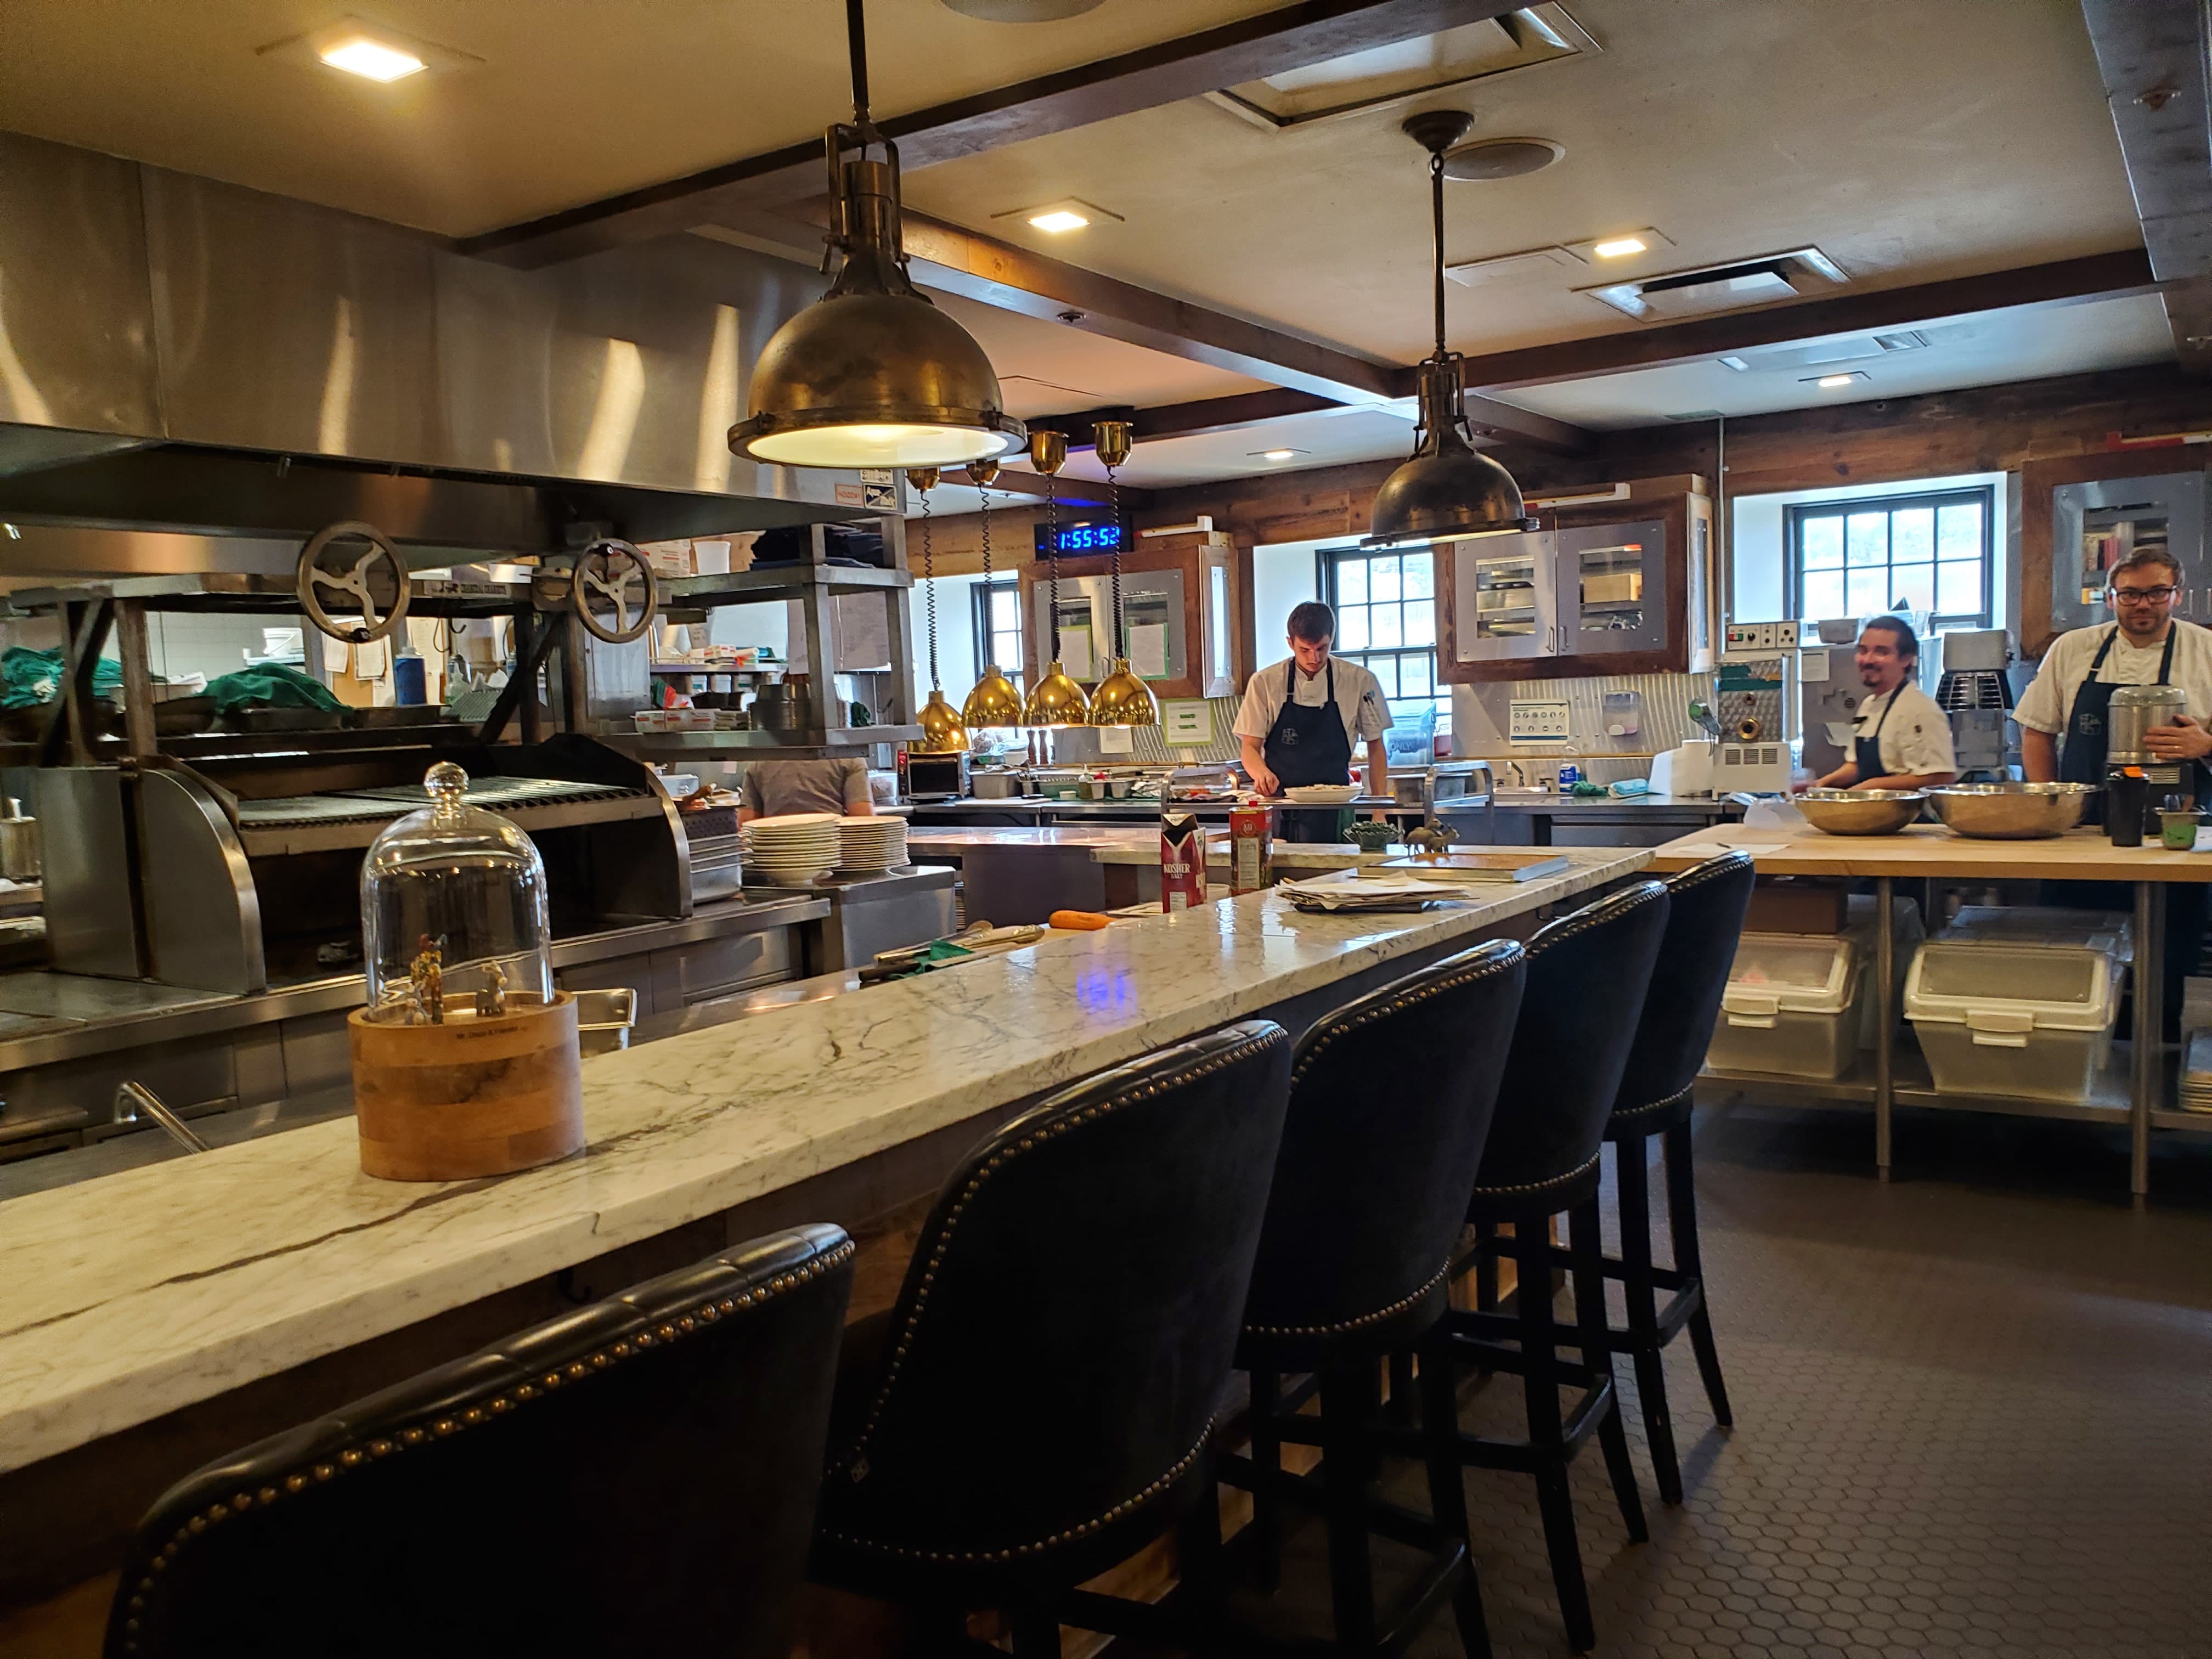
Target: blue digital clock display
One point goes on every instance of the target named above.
(1084, 538)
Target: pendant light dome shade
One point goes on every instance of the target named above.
(942, 732)
(1447, 488)
(996, 701)
(872, 373)
(1057, 702)
(1122, 699)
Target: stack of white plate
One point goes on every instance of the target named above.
(792, 849)
(871, 844)
(2196, 1073)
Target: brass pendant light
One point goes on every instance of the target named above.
(1448, 490)
(996, 701)
(1122, 698)
(941, 731)
(1056, 702)
(872, 374)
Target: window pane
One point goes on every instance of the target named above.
(1351, 580)
(1415, 675)
(1913, 587)
(1867, 539)
(1867, 592)
(1383, 624)
(1420, 622)
(1006, 610)
(1824, 594)
(1958, 531)
(1912, 535)
(1352, 628)
(1421, 576)
(1382, 579)
(1959, 587)
(1385, 670)
(1822, 540)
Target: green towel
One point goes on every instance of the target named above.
(29, 678)
(271, 685)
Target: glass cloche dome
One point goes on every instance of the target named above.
(453, 912)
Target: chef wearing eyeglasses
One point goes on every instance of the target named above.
(2064, 727)
(2063, 717)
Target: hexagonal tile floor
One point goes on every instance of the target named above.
(1973, 1413)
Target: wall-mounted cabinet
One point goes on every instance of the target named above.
(1175, 609)
(2082, 514)
(1616, 586)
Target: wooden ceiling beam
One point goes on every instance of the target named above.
(2151, 56)
(1249, 49)
(2061, 281)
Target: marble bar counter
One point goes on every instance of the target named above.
(165, 1315)
(1014, 875)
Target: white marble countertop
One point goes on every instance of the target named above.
(142, 1292)
(1122, 844)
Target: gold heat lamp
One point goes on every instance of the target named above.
(996, 701)
(1448, 490)
(1122, 698)
(872, 374)
(1056, 702)
(942, 732)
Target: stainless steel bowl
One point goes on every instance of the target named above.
(1861, 812)
(2010, 811)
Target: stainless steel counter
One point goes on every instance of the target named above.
(68, 1040)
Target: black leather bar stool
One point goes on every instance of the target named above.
(1043, 1403)
(638, 1477)
(1588, 974)
(1390, 1105)
(1707, 905)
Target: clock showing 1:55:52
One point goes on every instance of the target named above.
(1079, 538)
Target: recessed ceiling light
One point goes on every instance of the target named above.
(1830, 382)
(358, 46)
(1619, 247)
(1058, 218)
(1275, 454)
(370, 59)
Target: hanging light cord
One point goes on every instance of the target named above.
(1436, 239)
(928, 577)
(1114, 507)
(856, 47)
(984, 496)
(1052, 543)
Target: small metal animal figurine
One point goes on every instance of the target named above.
(1430, 838)
(491, 1001)
(427, 973)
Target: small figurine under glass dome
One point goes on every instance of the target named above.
(465, 1060)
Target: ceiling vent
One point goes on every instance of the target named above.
(1514, 267)
(1841, 349)
(1678, 295)
(1409, 69)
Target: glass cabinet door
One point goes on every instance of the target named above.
(1613, 586)
(1504, 596)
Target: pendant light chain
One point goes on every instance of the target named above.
(984, 495)
(929, 590)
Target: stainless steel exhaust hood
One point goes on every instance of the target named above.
(182, 355)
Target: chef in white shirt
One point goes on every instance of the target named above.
(2062, 717)
(1902, 739)
(1301, 716)
(2063, 730)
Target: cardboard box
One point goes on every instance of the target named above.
(1797, 904)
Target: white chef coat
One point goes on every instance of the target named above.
(1916, 737)
(2049, 700)
(1359, 699)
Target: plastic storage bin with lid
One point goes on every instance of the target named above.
(1792, 1006)
(2110, 931)
(2032, 1022)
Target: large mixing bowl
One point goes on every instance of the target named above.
(2010, 811)
(1861, 812)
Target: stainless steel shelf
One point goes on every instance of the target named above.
(780, 581)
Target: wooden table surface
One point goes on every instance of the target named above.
(1929, 849)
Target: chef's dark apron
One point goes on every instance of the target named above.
(1308, 745)
(2088, 723)
(2081, 760)
(1866, 753)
